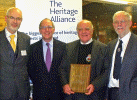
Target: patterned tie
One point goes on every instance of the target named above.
(12, 42)
(48, 57)
(118, 63)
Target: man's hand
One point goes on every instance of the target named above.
(67, 89)
(90, 89)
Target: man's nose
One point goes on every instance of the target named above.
(83, 31)
(15, 20)
(47, 29)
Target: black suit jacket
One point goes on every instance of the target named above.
(97, 55)
(128, 73)
(45, 83)
(13, 71)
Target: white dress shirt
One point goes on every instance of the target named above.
(8, 35)
(113, 82)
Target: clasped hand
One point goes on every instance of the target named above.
(67, 89)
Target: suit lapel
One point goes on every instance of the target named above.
(39, 56)
(129, 59)
(40, 53)
(128, 56)
(55, 51)
(112, 47)
(5, 45)
(129, 48)
(111, 51)
(75, 50)
(93, 52)
(18, 47)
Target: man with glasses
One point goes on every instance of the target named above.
(121, 61)
(14, 81)
(44, 60)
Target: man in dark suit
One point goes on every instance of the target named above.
(121, 61)
(44, 75)
(86, 50)
(14, 81)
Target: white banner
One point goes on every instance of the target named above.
(64, 13)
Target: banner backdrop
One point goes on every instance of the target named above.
(64, 13)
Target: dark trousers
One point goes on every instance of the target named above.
(81, 96)
(17, 96)
(113, 94)
(47, 93)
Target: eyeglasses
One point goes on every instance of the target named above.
(13, 18)
(81, 29)
(44, 27)
(121, 22)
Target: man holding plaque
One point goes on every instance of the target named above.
(86, 50)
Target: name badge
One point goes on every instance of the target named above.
(23, 53)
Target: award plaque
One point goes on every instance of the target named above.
(79, 77)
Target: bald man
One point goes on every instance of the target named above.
(14, 81)
(42, 68)
(77, 53)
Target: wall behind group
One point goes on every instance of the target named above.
(64, 13)
(4, 5)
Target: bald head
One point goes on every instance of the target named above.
(85, 30)
(85, 21)
(13, 9)
(13, 19)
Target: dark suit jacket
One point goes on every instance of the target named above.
(13, 71)
(128, 74)
(45, 83)
(97, 55)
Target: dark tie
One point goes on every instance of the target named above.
(48, 57)
(118, 63)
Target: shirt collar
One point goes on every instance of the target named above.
(126, 38)
(87, 42)
(51, 42)
(8, 33)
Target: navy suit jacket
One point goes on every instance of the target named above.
(13, 71)
(44, 82)
(128, 74)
